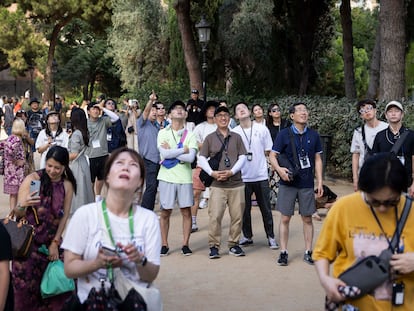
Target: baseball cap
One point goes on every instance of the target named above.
(93, 104)
(175, 104)
(194, 91)
(394, 103)
(34, 100)
(221, 109)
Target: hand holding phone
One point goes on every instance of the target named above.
(35, 187)
(107, 251)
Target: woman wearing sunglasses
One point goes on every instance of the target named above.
(362, 224)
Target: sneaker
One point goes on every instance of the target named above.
(186, 251)
(245, 241)
(214, 253)
(164, 251)
(307, 257)
(236, 251)
(194, 227)
(203, 203)
(283, 259)
(273, 244)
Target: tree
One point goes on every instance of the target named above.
(51, 16)
(346, 21)
(393, 45)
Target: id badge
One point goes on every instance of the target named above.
(304, 162)
(398, 294)
(249, 156)
(402, 160)
(96, 144)
(109, 136)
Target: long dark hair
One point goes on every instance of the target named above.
(79, 122)
(61, 155)
(59, 130)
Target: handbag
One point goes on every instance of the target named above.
(21, 235)
(284, 161)
(54, 281)
(370, 272)
(214, 163)
(102, 299)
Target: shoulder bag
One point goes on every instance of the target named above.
(284, 161)
(214, 163)
(21, 235)
(370, 272)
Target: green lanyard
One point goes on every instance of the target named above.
(108, 225)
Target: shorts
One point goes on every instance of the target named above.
(286, 199)
(197, 184)
(97, 166)
(171, 193)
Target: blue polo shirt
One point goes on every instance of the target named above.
(307, 144)
(147, 140)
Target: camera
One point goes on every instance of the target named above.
(290, 176)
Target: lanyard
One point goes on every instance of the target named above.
(382, 229)
(251, 131)
(108, 225)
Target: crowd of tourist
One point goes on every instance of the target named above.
(103, 170)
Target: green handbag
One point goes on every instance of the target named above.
(54, 281)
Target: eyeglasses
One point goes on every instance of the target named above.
(386, 203)
(302, 110)
(367, 109)
(160, 108)
(110, 103)
(222, 115)
(275, 109)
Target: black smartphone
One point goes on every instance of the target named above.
(109, 251)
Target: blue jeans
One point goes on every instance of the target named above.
(262, 191)
(151, 184)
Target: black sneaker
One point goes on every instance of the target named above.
(283, 259)
(186, 251)
(307, 257)
(164, 251)
(214, 253)
(236, 251)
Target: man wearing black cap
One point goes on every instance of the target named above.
(385, 140)
(201, 131)
(178, 148)
(227, 188)
(194, 107)
(35, 119)
(97, 150)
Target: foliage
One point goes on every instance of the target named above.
(18, 41)
(136, 40)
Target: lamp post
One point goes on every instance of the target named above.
(54, 71)
(31, 71)
(204, 29)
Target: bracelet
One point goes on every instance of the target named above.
(143, 261)
(56, 241)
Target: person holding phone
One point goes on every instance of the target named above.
(47, 209)
(114, 231)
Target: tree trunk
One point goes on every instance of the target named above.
(393, 44)
(374, 70)
(347, 45)
(182, 8)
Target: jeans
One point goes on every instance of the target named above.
(151, 184)
(262, 191)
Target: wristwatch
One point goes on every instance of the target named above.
(143, 261)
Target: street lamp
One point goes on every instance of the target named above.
(31, 70)
(204, 28)
(54, 71)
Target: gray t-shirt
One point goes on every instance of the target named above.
(147, 140)
(98, 144)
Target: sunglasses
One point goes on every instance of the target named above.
(386, 203)
(366, 109)
(275, 109)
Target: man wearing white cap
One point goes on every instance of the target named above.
(385, 140)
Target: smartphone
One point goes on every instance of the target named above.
(68, 126)
(35, 187)
(109, 251)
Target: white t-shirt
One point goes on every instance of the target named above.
(357, 144)
(86, 232)
(203, 129)
(256, 142)
(42, 139)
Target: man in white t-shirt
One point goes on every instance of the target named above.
(363, 137)
(258, 143)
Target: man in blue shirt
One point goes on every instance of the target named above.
(147, 146)
(308, 160)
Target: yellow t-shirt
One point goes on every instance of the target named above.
(350, 231)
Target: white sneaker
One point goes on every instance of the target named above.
(194, 227)
(245, 241)
(203, 203)
(273, 244)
